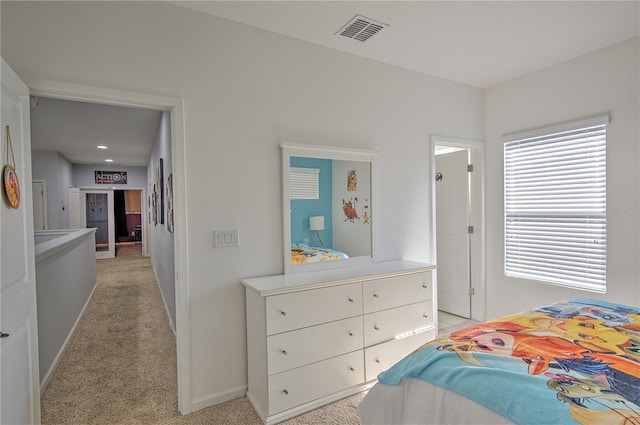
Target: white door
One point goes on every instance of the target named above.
(39, 204)
(452, 237)
(19, 376)
(74, 208)
(96, 210)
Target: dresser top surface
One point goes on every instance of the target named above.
(279, 284)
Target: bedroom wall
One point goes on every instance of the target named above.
(604, 82)
(302, 209)
(245, 91)
(352, 236)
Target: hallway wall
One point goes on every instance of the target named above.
(57, 171)
(84, 177)
(160, 236)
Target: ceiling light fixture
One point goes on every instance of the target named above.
(108, 160)
(101, 147)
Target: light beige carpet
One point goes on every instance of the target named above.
(120, 366)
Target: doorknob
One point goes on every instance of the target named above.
(3, 335)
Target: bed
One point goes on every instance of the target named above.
(301, 253)
(572, 362)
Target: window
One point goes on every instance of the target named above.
(303, 183)
(555, 205)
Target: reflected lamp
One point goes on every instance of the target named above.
(316, 224)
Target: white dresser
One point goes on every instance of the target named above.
(313, 338)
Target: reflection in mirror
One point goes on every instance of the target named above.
(330, 209)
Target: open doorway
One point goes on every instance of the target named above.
(173, 110)
(128, 221)
(458, 223)
(96, 211)
(453, 229)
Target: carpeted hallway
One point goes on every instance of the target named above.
(120, 366)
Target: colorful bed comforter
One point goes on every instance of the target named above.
(576, 361)
(301, 253)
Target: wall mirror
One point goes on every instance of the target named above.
(328, 215)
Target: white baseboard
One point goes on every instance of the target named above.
(164, 301)
(213, 399)
(56, 360)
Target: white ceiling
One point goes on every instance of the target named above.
(75, 129)
(478, 43)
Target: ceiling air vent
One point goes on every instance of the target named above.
(361, 28)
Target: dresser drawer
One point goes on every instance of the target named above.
(304, 384)
(390, 324)
(304, 346)
(382, 356)
(312, 307)
(381, 294)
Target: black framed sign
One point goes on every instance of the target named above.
(111, 177)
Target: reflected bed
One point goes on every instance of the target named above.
(573, 362)
(301, 253)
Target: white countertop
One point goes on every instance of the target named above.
(280, 284)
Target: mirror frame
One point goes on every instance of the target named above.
(322, 152)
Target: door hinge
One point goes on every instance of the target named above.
(470, 229)
(472, 291)
(470, 168)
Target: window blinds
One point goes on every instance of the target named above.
(555, 207)
(303, 183)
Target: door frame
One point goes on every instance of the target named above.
(111, 252)
(143, 205)
(477, 242)
(175, 106)
(45, 210)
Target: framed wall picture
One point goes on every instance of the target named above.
(169, 190)
(160, 191)
(154, 205)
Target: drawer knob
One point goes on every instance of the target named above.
(376, 327)
(286, 392)
(350, 299)
(375, 295)
(352, 369)
(377, 360)
(350, 333)
(424, 285)
(284, 313)
(425, 315)
(284, 352)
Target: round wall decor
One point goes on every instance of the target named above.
(11, 185)
(10, 182)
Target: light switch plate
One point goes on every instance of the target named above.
(226, 238)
